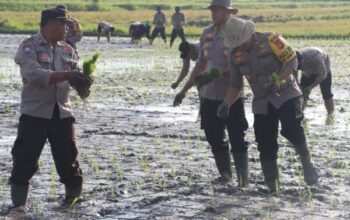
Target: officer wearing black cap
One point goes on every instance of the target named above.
(188, 52)
(47, 66)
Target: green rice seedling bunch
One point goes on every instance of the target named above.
(274, 80)
(208, 77)
(89, 67)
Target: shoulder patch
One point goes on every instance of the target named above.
(280, 48)
(27, 48)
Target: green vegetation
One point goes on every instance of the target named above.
(301, 19)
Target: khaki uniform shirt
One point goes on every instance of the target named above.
(37, 60)
(105, 27)
(257, 66)
(214, 53)
(197, 49)
(74, 31)
(178, 20)
(159, 20)
(315, 62)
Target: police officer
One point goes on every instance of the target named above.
(106, 29)
(178, 21)
(214, 53)
(189, 51)
(47, 67)
(74, 30)
(315, 69)
(159, 21)
(268, 63)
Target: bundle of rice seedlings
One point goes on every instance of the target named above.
(89, 67)
(208, 77)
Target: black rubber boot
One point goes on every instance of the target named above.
(72, 197)
(271, 175)
(310, 174)
(19, 194)
(242, 168)
(223, 163)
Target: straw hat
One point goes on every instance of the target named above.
(237, 31)
(223, 3)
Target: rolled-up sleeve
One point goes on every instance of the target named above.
(236, 79)
(320, 66)
(31, 71)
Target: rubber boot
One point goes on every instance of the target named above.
(223, 163)
(329, 104)
(242, 168)
(19, 194)
(71, 198)
(310, 174)
(271, 175)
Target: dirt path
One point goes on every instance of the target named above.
(143, 159)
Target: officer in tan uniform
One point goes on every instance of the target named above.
(47, 67)
(214, 53)
(106, 29)
(178, 21)
(74, 30)
(189, 51)
(268, 63)
(315, 69)
(159, 21)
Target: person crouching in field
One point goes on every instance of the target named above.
(189, 51)
(268, 63)
(178, 21)
(214, 54)
(106, 29)
(315, 69)
(159, 21)
(47, 67)
(137, 30)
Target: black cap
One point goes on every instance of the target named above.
(54, 13)
(62, 7)
(184, 48)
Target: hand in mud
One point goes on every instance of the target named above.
(223, 110)
(178, 99)
(174, 85)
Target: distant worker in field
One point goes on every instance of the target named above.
(178, 21)
(189, 51)
(48, 67)
(159, 21)
(104, 28)
(214, 55)
(315, 68)
(137, 30)
(74, 29)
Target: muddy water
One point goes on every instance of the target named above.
(143, 159)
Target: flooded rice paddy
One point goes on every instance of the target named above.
(144, 159)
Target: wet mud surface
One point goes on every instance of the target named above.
(144, 159)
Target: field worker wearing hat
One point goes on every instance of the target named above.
(47, 67)
(74, 30)
(178, 21)
(106, 29)
(214, 53)
(268, 63)
(315, 68)
(189, 51)
(159, 22)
